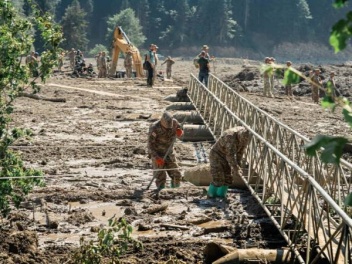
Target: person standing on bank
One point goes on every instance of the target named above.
(151, 65)
(169, 62)
(128, 63)
(288, 87)
(316, 83)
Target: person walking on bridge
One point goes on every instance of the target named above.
(204, 68)
(225, 160)
(161, 138)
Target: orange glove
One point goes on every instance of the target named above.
(179, 132)
(159, 161)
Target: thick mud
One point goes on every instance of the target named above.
(92, 150)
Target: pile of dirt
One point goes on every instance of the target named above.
(21, 247)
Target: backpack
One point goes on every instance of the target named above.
(145, 63)
(195, 62)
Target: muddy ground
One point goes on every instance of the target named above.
(92, 149)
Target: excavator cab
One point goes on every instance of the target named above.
(121, 43)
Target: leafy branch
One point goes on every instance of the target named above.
(16, 40)
(112, 242)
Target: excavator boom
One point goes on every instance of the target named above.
(121, 43)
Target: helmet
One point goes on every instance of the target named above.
(166, 120)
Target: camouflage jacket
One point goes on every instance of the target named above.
(128, 60)
(161, 139)
(316, 79)
(232, 144)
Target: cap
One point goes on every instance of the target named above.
(289, 62)
(205, 47)
(266, 59)
(166, 120)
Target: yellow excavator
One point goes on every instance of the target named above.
(121, 43)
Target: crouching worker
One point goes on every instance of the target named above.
(161, 138)
(225, 160)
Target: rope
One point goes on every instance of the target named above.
(69, 175)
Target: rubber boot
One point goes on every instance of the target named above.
(212, 190)
(175, 185)
(222, 191)
(162, 186)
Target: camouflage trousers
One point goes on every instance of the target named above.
(160, 176)
(267, 87)
(102, 72)
(315, 94)
(288, 90)
(168, 73)
(129, 71)
(155, 73)
(220, 170)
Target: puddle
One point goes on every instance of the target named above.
(101, 211)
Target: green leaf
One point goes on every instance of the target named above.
(291, 77)
(332, 148)
(348, 116)
(338, 40)
(339, 3)
(328, 102)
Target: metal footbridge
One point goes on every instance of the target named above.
(303, 196)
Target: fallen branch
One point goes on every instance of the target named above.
(175, 226)
(38, 97)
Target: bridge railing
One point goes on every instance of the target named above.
(307, 216)
(336, 179)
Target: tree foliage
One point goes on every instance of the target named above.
(74, 26)
(128, 21)
(15, 43)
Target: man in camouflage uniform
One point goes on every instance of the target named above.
(169, 62)
(288, 87)
(128, 64)
(331, 86)
(271, 91)
(315, 85)
(267, 77)
(71, 56)
(103, 66)
(161, 139)
(225, 159)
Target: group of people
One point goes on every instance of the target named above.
(225, 155)
(314, 79)
(102, 62)
(78, 64)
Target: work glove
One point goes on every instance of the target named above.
(179, 132)
(159, 162)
